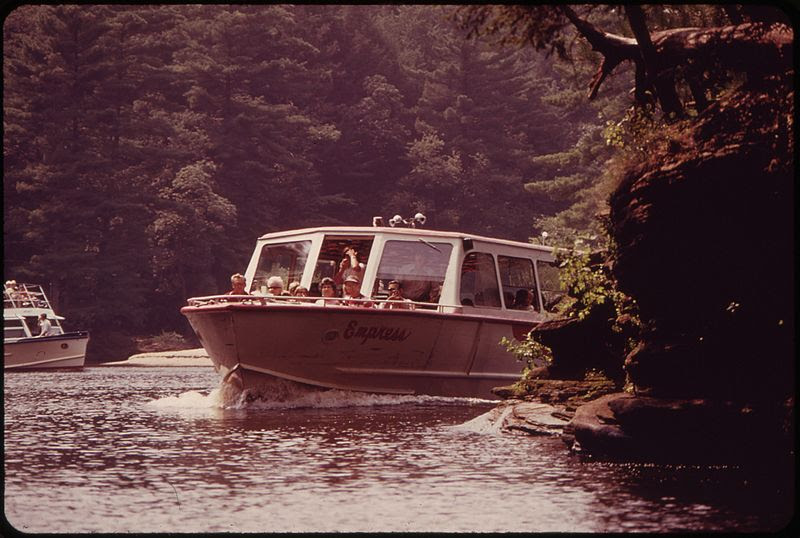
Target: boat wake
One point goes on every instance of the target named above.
(284, 394)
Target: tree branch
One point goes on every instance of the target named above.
(656, 55)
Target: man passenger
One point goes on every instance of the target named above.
(238, 284)
(45, 327)
(396, 297)
(352, 290)
(349, 266)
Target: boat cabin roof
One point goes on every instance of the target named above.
(410, 232)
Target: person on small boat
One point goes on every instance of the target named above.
(274, 286)
(327, 287)
(12, 289)
(45, 327)
(396, 297)
(349, 266)
(352, 285)
(238, 285)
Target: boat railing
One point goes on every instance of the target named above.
(25, 296)
(325, 301)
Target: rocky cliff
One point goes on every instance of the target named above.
(704, 234)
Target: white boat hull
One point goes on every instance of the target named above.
(371, 350)
(59, 351)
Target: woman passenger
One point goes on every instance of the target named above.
(327, 287)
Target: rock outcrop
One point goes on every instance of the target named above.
(704, 234)
(704, 242)
(629, 427)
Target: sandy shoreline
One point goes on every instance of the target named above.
(186, 357)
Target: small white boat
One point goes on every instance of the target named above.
(22, 306)
(462, 287)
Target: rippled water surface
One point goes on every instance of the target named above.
(162, 449)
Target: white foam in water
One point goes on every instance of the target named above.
(283, 394)
(490, 422)
(188, 400)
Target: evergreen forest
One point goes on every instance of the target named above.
(147, 147)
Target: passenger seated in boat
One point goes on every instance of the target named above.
(349, 266)
(327, 288)
(396, 297)
(436, 293)
(293, 285)
(238, 285)
(274, 286)
(523, 300)
(301, 291)
(12, 291)
(352, 291)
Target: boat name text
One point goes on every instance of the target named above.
(353, 330)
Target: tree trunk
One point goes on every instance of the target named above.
(658, 73)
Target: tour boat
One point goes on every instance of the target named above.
(22, 305)
(445, 342)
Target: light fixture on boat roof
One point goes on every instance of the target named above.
(377, 221)
(417, 221)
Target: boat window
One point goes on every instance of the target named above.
(479, 281)
(420, 266)
(516, 276)
(550, 285)
(286, 260)
(12, 328)
(331, 255)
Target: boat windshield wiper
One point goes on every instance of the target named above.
(434, 247)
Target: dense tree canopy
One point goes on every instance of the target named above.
(146, 147)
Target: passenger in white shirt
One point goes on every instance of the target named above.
(45, 327)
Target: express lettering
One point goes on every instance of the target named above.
(393, 334)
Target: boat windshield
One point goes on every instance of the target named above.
(286, 260)
(331, 256)
(420, 267)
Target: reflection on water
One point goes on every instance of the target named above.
(115, 449)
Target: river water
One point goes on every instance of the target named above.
(163, 449)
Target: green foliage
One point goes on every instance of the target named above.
(529, 351)
(164, 341)
(632, 132)
(591, 286)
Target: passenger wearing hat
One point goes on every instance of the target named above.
(352, 290)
